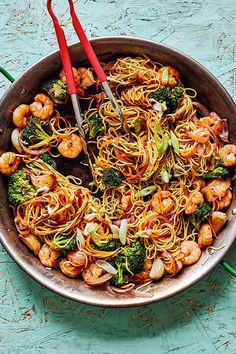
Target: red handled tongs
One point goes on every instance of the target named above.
(66, 62)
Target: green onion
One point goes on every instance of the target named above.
(123, 231)
(145, 191)
(96, 238)
(165, 176)
(165, 75)
(106, 266)
(164, 143)
(174, 142)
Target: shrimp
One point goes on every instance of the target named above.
(9, 163)
(92, 271)
(162, 202)
(21, 115)
(144, 275)
(217, 220)
(42, 107)
(219, 126)
(216, 189)
(71, 146)
(49, 257)
(69, 269)
(225, 201)
(228, 154)
(168, 76)
(205, 236)
(126, 203)
(32, 242)
(83, 78)
(191, 252)
(45, 182)
(199, 183)
(194, 199)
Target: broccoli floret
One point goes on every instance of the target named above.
(119, 279)
(33, 133)
(218, 172)
(63, 242)
(110, 246)
(95, 124)
(169, 96)
(111, 177)
(201, 214)
(130, 260)
(57, 90)
(49, 160)
(20, 187)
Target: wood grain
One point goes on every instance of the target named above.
(200, 320)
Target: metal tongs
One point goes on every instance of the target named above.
(66, 62)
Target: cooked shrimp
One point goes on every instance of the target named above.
(49, 257)
(219, 126)
(77, 79)
(217, 220)
(32, 242)
(21, 115)
(228, 154)
(71, 146)
(199, 183)
(225, 201)
(144, 275)
(42, 107)
(92, 271)
(126, 203)
(69, 269)
(83, 78)
(168, 76)
(205, 236)
(162, 202)
(194, 199)
(216, 189)
(45, 182)
(9, 163)
(191, 252)
(86, 77)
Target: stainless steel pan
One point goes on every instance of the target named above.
(210, 93)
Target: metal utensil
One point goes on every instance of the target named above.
(93, 61)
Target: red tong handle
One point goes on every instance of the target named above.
(86, 45)
(64, 52)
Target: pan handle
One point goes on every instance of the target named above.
(6, 74)
(229, 268)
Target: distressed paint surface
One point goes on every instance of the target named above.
(200, 320)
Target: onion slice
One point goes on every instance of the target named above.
(106, 266)
(99, 281)
(121, 290)
(123, 231)
(33, 152)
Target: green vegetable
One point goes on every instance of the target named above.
(20, 187)
(49, 160)
(110, 246)
(96, 125)
(57, 90)
(218, 161)
(163, 146)
(137, 125)
(165, 176)
(130, 260)
(170, 96)
(111, 177)
(201, 214)
(63, 242)
(218, 172)
(34, 133)
(174, 142)
(145, 191)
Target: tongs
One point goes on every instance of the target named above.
(66, 62)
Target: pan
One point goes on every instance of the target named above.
(210, 92)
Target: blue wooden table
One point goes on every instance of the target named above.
(200, 320)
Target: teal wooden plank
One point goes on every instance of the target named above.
(200, 320)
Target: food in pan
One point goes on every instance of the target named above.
(152, 204)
